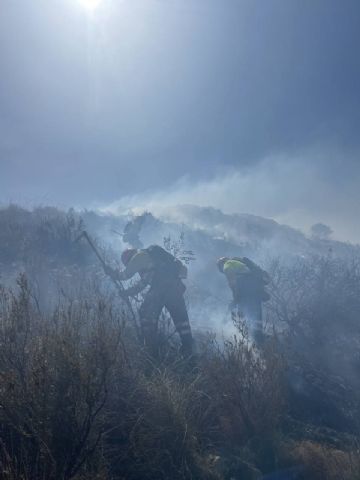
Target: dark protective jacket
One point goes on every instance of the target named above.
(163, 273)
(246, 279)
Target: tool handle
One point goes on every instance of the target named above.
(96, 251)
(117, 284)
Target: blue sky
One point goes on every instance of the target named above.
(143, 95)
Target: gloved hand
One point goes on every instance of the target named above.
(111, 272)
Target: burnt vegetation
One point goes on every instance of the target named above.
(80, 398)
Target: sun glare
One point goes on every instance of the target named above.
(90, 4)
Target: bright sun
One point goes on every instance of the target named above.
(90, 4)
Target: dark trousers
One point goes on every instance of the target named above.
(250, 308)
(247, 296)
(251, 311)
(170, 296)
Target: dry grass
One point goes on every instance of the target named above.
(321, 462)
(79, 398)
(54, 383)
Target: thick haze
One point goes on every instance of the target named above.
(250, 106)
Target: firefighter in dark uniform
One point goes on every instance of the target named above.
(247, 282)
(163, 273)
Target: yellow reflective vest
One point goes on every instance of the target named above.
(233, 269)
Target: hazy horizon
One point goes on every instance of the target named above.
(246, 106)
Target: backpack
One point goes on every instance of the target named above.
(260, 275)
(164, 262)
(258, 272)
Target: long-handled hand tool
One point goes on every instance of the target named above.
(117, 283)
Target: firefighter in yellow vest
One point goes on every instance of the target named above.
(247, 282)
(163, 273)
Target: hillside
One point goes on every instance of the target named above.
(81, 398)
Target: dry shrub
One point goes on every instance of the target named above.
(321, 462)
(43, 232)
(80, 398)
(54, 377)
(246, 385)
(315, 301)
(157, 430)
(314, 306)
(75, 402)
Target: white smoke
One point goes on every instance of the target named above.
(291, 191)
